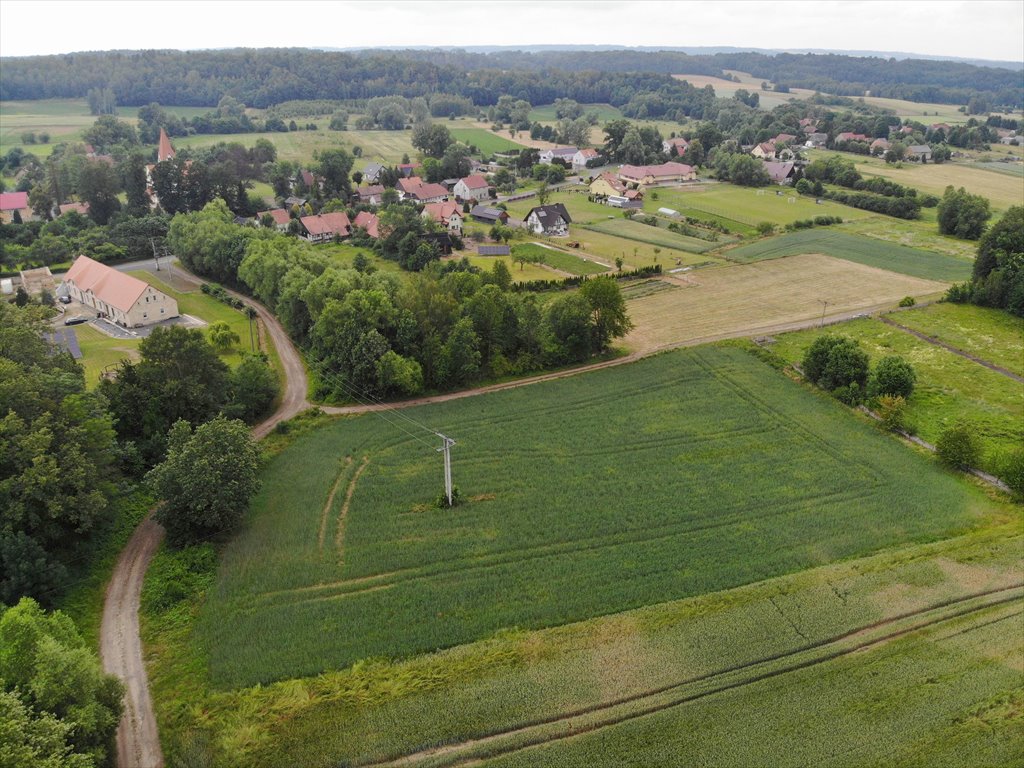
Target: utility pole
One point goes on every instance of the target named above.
(446, 450)
(824, 304)
(156, 256)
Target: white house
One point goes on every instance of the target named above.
(583, 156)
(119, 297)
(446, 214)
(279, 215)
(472, 187)
(552, 220)
(564, 154)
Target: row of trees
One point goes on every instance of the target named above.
(998, 278)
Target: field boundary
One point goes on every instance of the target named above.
(951, 348)
(651, 702)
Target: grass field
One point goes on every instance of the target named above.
(520, 273)
(1002, 189)
(949, 388)
(635, 253)
(871, 252)
(759, 298)
(726, 89)
(487, 142)
(922, 233)
(100, 352)
(566, 262)
(580, 208)
(545, 113)
(748, 206)
(628, 229)
(990, 334)
(717, 482)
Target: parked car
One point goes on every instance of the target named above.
(76, 320)
(65, 299)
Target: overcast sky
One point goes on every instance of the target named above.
(965, 28)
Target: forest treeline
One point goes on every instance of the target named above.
(263, 77)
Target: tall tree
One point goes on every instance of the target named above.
(334, 166)
(98, 185)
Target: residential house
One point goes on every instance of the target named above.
(414, 188)
(606, 185)
(14, 202)
(919, 153)
(371, 195)
(307, 181)
(565, 154)
(655, 175)
(764, 151)
(678, 142)
(552, 220)
(279, 215)
(82, 208)
(486, 215)
(584, 156)
(473, 187)
(371, 172)
(324, 227)
(447, 214)
(493, 250)
(784, 138)
(294, 202)
(807, 122)
(369, 222)
(780, 173)
(117, 296)
(845, 136)
(816, 140)
(407, 169)
(879, 146)
(785, 154)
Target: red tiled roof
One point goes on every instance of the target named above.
(164, 151)
(442, 211)
(13, 201)
(279, 215)
(369, 222)
(374, 190)
(476, 182)
(327, 224)
(665, 169)
(82, 208)
(588, 152)
(108, 285)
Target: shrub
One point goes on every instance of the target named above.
(892, 410)
(765, 228)
(1010, 468)
(958, 447)
(959, 293)
(833, 362)
(893, 376)
(908, 301)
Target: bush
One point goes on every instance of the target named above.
(908, 301)
(834, 362)
(958, 447)
(892, 410)
(765, 228)
(1010, 469)
(893, 376)
(959, 293)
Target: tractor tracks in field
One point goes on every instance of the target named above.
(610, 713)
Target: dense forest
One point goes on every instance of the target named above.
(264, 77)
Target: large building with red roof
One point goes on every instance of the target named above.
(120, 298)
(324, 227)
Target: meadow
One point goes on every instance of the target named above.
(764, 297)
(862, 250)
(950, 388)
(628, 229)
(667, 501)
(486, 142)
(545, 113)
(566, 262)
(726, 89)
(521, 273)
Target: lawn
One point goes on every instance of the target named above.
(487, 142)
(863, 250)
(747, 205)
(566, 262)
(569, 516)
(101, 352)
(949, 388)
(521, 273)
(764, 297)
(990, 334)
(580, 208)
(628, 229)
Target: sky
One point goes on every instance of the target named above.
(985, 29)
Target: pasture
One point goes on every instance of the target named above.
(486, 142)
(949, 388)
(562, 523)
(871, 252)
(921, 234)
(764, 297)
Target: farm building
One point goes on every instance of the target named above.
(472, 187)
(679, 143)
(653, 175)
(919, 153)
(780, 173)
(14, 202)
(372, 195)
(324, 227)
(440, 240)
(369, 222)
(448, 215)
(552, 220)
(565, 154)
(120, 298)
(816, 140)
(488, 215)
(279, 215)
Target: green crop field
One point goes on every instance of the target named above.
(949, 388)
(545, 113)
(569, 516)
(645, 233)
(566, 262)
(487, 142)
(991, 334)
(863, 250)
